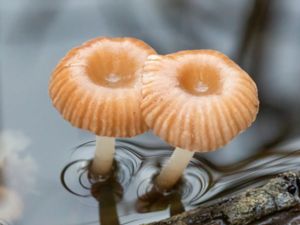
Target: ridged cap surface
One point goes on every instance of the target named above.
(197, 100)
(97, 86)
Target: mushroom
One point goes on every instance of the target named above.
(97, 87)
(197, 101)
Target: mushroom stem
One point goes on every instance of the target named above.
(173, 169)
(104, 156)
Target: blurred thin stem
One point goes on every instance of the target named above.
(1, 55)
(255, 24)
(251, 57)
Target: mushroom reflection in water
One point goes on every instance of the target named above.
(97, 87)
(154, 200)
(108, 193)
(197, 101)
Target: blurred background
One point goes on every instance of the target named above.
(262, 36)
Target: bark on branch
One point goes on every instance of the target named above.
(278, 194)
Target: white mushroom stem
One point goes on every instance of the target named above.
(172, 171)
(104, 156)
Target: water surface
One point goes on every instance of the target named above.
(126, 198)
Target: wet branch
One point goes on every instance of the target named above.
(278, 194)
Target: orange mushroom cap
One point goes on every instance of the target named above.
(97, 86)
(197, 100)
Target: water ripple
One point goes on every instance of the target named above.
(203, 181)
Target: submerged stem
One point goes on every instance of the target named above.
(173, 169)
(104, 155)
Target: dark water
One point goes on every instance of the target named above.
(126, 197)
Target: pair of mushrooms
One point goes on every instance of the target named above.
(196, 100)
